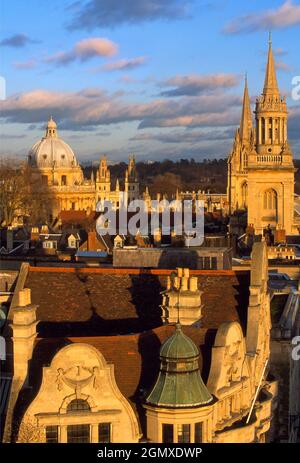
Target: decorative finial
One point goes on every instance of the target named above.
(270, 38)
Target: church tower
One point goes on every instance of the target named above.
(237, 186)
(260, 166)
(103, 180)
(270, 165)
(131, 181)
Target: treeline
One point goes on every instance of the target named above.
(167, 176)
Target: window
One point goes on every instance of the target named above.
(51, 434)
(244, 194)
(104, 432)
(198, 433)
(183, 433)
(167, 434)
(50, 244)
(78, 405)
(63, 179)
(78, 434)
(270, 200)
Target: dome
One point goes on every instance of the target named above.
(51, 151)
(179, 346)
(179, 383)
(51, 124)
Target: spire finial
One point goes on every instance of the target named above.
(270, 38)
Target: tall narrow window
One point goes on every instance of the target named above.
(167, 434)
(198, 433)
(78, 434)
(244, 191)
(52, 434)
(270, 200)
(183, 433)
(104, 432)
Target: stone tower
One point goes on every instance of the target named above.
(270, 165)
(131, 181)
(237, 188)
(103, 180)
(260, 166)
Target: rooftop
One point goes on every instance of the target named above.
(74, 301)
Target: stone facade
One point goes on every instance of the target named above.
(260, 166)
(95, 388)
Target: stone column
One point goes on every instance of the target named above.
(285, 130)
(24, 333)
(63, 435)
(266, 130)
(94, 433)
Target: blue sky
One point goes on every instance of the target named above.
(159, 78)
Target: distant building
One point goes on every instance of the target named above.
(60, 181)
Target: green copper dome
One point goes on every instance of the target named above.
(179, 383)
(179, 346)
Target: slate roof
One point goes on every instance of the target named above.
(117, 311)
(74, 302)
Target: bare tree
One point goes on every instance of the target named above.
(14, 189)
(20, 194)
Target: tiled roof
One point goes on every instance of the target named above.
(76, 303)
(135, 359)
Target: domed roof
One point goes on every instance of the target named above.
(179, 346)
(51, 151)
(179, 383)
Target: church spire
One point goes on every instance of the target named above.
(271, 85)
(246, 118)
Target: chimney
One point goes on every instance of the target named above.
(24, 333)
(92, 240)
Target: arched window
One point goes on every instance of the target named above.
(244, 191)
(78, 405)
(270, 200)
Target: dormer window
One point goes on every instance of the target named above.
(45, 156)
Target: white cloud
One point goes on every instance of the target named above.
(198, 84)
(85, 50)
(286, 15)
(24, 65)
(124, 64)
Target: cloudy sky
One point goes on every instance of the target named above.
(159, 78)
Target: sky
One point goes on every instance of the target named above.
(162, 79)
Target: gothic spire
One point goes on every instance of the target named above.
(271, 85)
(246, 118)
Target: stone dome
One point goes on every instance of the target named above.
(51, 151)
